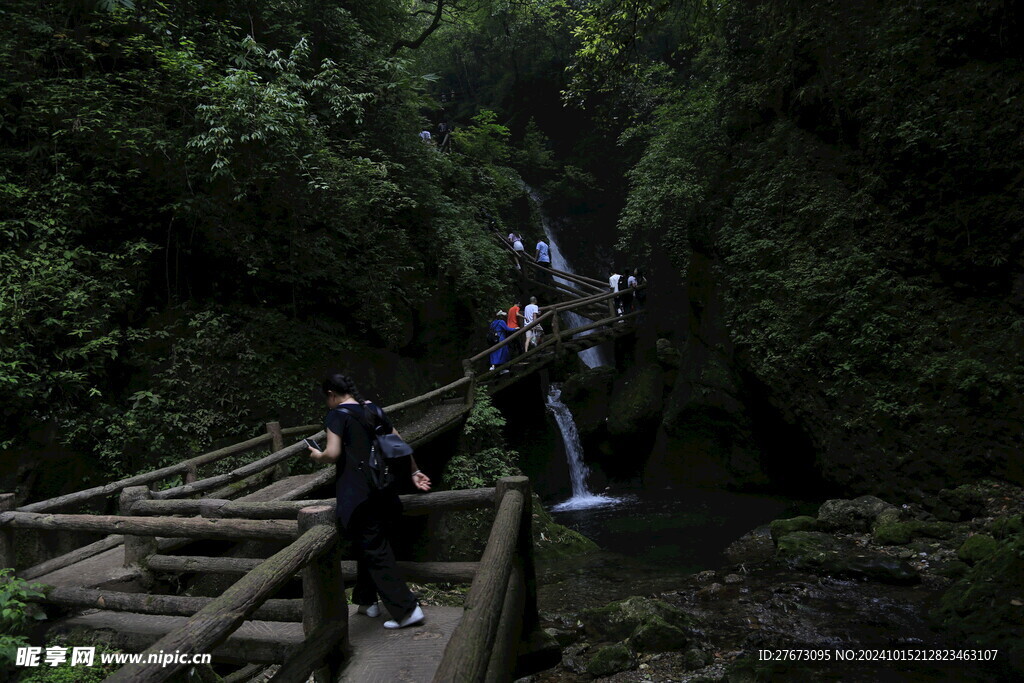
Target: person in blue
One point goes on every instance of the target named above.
(543, 253)
(363, 512)
(499, 331)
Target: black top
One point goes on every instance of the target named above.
(350, 485)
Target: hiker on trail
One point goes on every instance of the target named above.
(627, 297)
(498, 332)
(532, 310)
(639, 280)
(517, 245)
(513, 321)
(613, 282)
(364, 511)
(425, 135)
(543, 253)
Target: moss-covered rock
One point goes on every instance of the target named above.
(611, 659)
(636, 402)
(963, 502)
(551, 540)
(986, 606)
(657, 635)
(624, 618)
(781, 527)
(857, 515)
(901, 533)
(1004, 527)
(977, 548)
(668, 355)
(819, 552)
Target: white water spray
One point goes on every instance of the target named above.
(578, 471)
(594, 356)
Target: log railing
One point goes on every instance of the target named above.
(502, 582)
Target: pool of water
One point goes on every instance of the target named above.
(649, 541)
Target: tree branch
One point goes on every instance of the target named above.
(434, 23)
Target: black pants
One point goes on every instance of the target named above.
(376, 571)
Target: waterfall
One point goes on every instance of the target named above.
(594, 356)
(578, 471)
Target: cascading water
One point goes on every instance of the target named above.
(578, 471)
(594, 356)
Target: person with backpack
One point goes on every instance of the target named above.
(639, 280)
(498, 332)
(626, 297)
(366, 501)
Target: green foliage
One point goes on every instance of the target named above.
(199, 200)
(17, 613)
(482, 458)
(484, 141)
(856, 192)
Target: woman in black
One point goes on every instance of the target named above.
(363, 511)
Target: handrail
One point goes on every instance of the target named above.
(583, 279)
(522, 330)
(212, 625)
(144, 478)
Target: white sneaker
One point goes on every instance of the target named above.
(369, 610)
(492, 367)
(414, 618)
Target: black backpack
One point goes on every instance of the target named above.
(383, 448)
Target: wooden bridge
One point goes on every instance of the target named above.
(103, 582)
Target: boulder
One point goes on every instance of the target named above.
(611, 659)
(986, 606)
(857, 515)
(1004, 527)
(901, 533)
(622, 619)
(977, 548)
(657, 635)
(824, 554)
(781, 527)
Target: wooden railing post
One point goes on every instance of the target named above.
(6, 533)
(276, 444)
(136, 548)
(555, 331)
(525, 546)
(191, 474)
(323, 591)
(467, 368)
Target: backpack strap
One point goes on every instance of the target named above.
(361, 420)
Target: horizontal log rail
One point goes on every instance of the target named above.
(170, 605)
(191, 527)
(457, 384)
(254, 467)
(144, 478)
(68, 559)
(413, 504)
(515, 335)
(530, 260)
(214, 623)
(431, 572)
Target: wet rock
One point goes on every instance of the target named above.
(620, 620)
(710, 591)
(573, 657)
(977, 548)
(963, 502)
(857, 515)
(781, 527)
(563, 637)
(695, 658)
(824, 554)
(953, 569)
(733, 579)
(657, 635)
(668, 355)
(611, 659)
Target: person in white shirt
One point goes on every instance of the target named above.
(529, 315)
(613, 282)
(425, 135)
